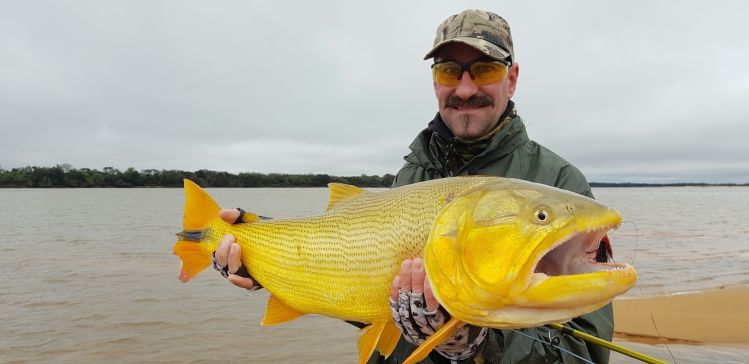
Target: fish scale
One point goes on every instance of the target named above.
(342, 263)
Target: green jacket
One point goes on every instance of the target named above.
(508, 153)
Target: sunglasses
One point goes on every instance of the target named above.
(482, 72)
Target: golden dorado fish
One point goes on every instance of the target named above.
(499, 253)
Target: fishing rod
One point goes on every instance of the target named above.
(607, 344)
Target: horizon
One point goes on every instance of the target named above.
(67, 167)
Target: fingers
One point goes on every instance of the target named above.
(417, 276)
(395, 288)
(421, 285)
(234, 261)
(240, 281)
(408, 303)
(405, 276)
(416, 312)
(229, 215)
(429, 299)
(227, 259)
(222, 252)
(412, 277)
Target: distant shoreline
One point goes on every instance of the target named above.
(65, 176)
(670, 184)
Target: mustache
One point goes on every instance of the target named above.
(475, 100)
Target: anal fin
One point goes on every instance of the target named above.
(388, 339)
(382, 335)
(444, 333)
(278, 312)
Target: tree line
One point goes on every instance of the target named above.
(668, 184)
(64, 175)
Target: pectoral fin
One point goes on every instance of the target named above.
(444, 333)
(278, 312)
(381, 335)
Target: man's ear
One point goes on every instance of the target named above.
(512, 79)
(436, 59)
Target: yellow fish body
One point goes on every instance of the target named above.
(499, 253)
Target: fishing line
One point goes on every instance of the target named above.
(637, 241)
(550, 343)
(639, 287)
(661, 335)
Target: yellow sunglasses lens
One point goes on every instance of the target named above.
(482, 72)
(447, 73)
(485, 73)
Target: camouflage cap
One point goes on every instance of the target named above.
(485, 31)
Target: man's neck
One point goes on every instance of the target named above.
(503, 120)
(438, 125)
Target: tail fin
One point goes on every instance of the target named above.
(200, 209)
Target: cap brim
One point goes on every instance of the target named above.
(485, 47)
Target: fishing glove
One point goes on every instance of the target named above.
(417, 325)
(242, 271)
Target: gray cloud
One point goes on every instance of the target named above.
(630, 91)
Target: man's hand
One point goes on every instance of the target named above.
(418, 314)
(229, 253)
(412, 278)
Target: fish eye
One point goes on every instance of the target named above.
(543, 216)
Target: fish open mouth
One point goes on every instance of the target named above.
(575, 254)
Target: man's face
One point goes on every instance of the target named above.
(471, 120)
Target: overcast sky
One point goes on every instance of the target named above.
(626, 91)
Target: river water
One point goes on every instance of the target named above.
(87, 275)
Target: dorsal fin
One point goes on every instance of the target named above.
(340, 192)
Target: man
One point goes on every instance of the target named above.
(476, 131)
